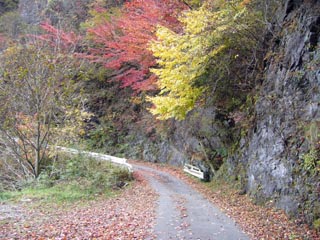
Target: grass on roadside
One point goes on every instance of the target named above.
(69, 179)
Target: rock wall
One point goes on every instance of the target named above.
(287, 116)
(200, 139)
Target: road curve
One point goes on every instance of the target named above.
(182, 213)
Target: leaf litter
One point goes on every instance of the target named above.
(128, 216)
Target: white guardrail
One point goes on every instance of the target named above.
(193, 171)
(118, 161)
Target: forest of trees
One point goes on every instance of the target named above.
(171, 56)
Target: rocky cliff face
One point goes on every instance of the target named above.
(195, 140)
(287, 116)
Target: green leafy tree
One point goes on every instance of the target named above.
(217, 40)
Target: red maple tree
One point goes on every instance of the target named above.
(57, 37)
(122, 42)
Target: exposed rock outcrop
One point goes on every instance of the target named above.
(287, 116)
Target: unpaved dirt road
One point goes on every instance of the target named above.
(183, 213)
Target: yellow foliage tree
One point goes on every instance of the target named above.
(214, 35)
